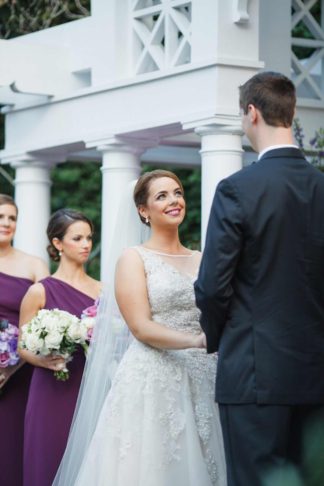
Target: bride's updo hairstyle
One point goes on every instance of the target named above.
(142, 187)
(5, 199)
(58, 225)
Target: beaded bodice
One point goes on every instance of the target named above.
(170, 289)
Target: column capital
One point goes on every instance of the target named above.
(46, 161)
(208, 125)
(216, 129)
(226, 139)
(123, 143)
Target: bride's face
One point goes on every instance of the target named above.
(165, 204)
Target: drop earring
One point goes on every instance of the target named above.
(147, 220)
(60, 253)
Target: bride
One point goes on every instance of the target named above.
(158, 425)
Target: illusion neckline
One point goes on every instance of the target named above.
(169, 254)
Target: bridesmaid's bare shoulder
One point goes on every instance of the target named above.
(34, 267)
(33, 301)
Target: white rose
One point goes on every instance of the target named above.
(67, 320)
(39, 321)
(35, 328)
(88, 322)
(50, 324)
(33, 343)
(53, 340)
(77, 332)
(42, 313)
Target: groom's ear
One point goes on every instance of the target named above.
(252, 113)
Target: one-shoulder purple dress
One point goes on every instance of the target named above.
(51, 402)
(14, 395)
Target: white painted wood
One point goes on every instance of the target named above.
(120, 165)
(32, 196)
(221, 155)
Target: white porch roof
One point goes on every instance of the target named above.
(152, 78)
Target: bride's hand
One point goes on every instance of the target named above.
(200, 341)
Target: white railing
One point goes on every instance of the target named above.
(308, 62)
(161, 31)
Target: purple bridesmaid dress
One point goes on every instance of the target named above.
(13, 397)
(51, 402)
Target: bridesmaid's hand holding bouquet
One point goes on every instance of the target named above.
(54, 333)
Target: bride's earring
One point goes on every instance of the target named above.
(147, 220)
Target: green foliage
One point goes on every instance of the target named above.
(316, 153)
(301, 31)
(7, 175)
(19, 17)
(311, 471)
(1, 131)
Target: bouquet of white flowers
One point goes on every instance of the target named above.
(54, 332)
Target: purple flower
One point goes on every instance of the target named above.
(91, 311)
(4, 359)
(8, 344)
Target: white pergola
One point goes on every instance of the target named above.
(144, 80)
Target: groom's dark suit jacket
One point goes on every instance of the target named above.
(261, 282)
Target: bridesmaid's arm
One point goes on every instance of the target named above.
(33, 301)
(132, 299)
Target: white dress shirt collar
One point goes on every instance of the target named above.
(272, 147)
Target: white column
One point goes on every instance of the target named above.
(120, 165)
(32, 196)
(221, 155)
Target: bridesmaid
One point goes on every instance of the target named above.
(18, 271)
(51, 403)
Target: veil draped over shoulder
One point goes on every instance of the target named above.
(110, 339)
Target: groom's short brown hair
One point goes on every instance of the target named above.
(273, 94)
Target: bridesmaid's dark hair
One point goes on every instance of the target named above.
(5, 199)
(142, 187)
(58, 225)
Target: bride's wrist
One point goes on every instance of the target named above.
(195, 341)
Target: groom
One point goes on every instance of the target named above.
(261, 290)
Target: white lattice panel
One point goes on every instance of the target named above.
(161, 34)
(308, 69)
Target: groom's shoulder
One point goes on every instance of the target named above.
(246, 174)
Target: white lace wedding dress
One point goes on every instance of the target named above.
(159, 425)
